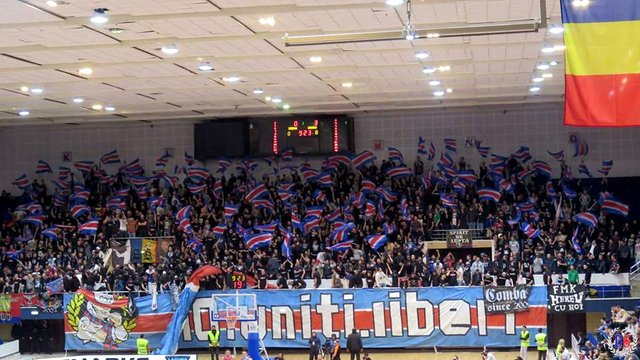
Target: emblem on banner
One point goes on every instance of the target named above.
(92, 321)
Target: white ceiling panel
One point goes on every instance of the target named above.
(45, 47)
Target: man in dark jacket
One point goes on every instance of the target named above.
(354, 344)
(314, 346)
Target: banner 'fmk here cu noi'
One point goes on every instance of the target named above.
(422, 317)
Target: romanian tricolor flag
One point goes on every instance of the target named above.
(602, 82)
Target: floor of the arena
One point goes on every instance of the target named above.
(374, 354)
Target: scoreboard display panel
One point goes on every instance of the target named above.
(312, 134)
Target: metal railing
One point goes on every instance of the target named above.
(634, 272)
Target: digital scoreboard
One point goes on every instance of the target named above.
(312, 134)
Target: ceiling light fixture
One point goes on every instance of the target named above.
(433, 35)
(85, 71)
(52, 3)
(410, 33)
(315, 59)
(286, 106)
(547, 75)
(276, 100)
(24, 113)
(559, 47)
(422, 54)
(110, 108)
(538, 79)
(267, 98)
(37, 90)
(96, 107)
(78, 100)
(24, 89)
(231, 79)
(553, 63)
(116, 30)
(534, 89)
(267, 21)
(205, 66)
(580, 3)
(347, 84)
(428, 70)
(547, 49)
(438, 93)
(542, 66)
(434, 82)
(394, 2)
(99, 16)
(258, 91)
(556, 29)
(444, 68)
(449, 90)
(170, 49)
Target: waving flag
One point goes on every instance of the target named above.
(388, 228)
(223, 165)
(432, 151)
(188, 159)
(22, 181)
(395, 155)
(340, 159)
(43, 167)
(295, 221)
(342, 233)
(542, 168)
(219, 230)
(270, 227)
(333, 215)
(116, 203)
(445, 161)
(606, 167)
(522, 154)
(448, 200)
(111, 157)
(376, 241)
(483, 150)
(450, 145)
(388, 195)
(569, 192)
(35, 220)
(285, 195)
(133, 168)
(254, 242)
(13, 254)
(325, 181)
(83, 166)
(529, 230)
(194, 244)
(558, 156)
(88, 228)
(163, 160)
(313, 211)
(309, 174)
(341, 246)
(584, 170)
(489, 194)
(61, 184)
(497, 163)
(51, 233)
(422, 146)
(79, 210)
(183, 212)
(230, 210)
(613, 206)
(156, 202)
(468, 176)
(586, 218)
(287, 154)
(59, 200)
(319, 195)
(263, 204)
(196, 188)
(398, 172)
(575, 244)
(363, 159)
(185, 225)
(198, 174)
(140, 180)
(63, 172)
(257, 192)
(551, 191)
(286, 244)
(357, 199)
(367, 185)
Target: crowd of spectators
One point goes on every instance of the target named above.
(30, 260)
(615, 338)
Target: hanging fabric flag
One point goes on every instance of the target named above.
(602, 54)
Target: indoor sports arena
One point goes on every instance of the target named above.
(319, 179)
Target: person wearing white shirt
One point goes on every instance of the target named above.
(487, 355)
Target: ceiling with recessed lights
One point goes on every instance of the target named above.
(80, 61)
